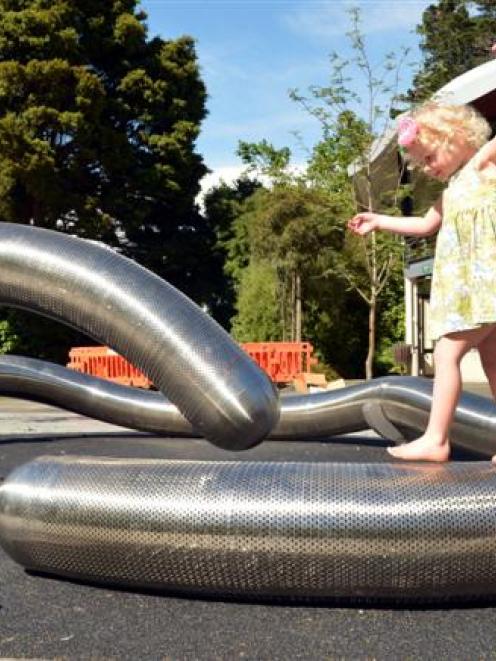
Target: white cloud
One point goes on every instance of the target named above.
(226, 173)
(322, 20)
(229, 173)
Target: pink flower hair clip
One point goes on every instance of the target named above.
(408, 129)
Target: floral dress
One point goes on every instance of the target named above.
(463, 293)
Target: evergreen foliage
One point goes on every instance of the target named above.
(456, 35)
(97, 132)
(293, 228)
(257, 304)
(222, 205)
(290, 227)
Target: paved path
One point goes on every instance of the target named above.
(44, 617)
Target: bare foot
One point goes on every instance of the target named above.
(423, 449)
(494, 459)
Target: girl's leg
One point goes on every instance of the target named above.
(434, 445)
(487, 351)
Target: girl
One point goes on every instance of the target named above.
(451, 144)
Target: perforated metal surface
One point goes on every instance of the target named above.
(193, 361)
(300, 529)
(392, 406)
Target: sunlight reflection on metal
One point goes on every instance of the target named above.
(192, 360)
(294, 529)
(405, 403)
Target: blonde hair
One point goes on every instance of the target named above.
(439, 124)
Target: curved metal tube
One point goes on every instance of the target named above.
(190, 358)
(396, 531)
(298, 529)
(395, 407)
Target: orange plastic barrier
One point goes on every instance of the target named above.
(106, 364)
(282, 361)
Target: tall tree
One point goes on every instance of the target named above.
(289, 224)
(97, 132)
(258, 317)
(456, 35)
(97, 122)
(349, 148)
(287, 227)
(293, 229)
(222, 205)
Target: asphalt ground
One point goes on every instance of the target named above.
(51, 618)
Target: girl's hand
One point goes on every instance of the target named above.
(364, 223)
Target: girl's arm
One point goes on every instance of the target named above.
(486, 156)
(363, 223)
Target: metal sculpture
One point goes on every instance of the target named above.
(297, 529)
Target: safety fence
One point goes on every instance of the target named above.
(282, 361)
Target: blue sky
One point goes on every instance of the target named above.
(251, 52)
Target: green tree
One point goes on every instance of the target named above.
(276, 230)
(456, 35)
(222, 204)
(97, 132)
(262, 157)
(25, 333)
(347, 151)
(391, 322)
(293, 219)
(257, 304)
(290, 227)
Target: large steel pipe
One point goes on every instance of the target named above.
(395, 407)
(404, 531)
(300, 529)
(191, 359)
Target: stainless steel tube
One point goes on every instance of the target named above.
(191, 359)
(400, 531)
(403, 531)
(395, 407)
